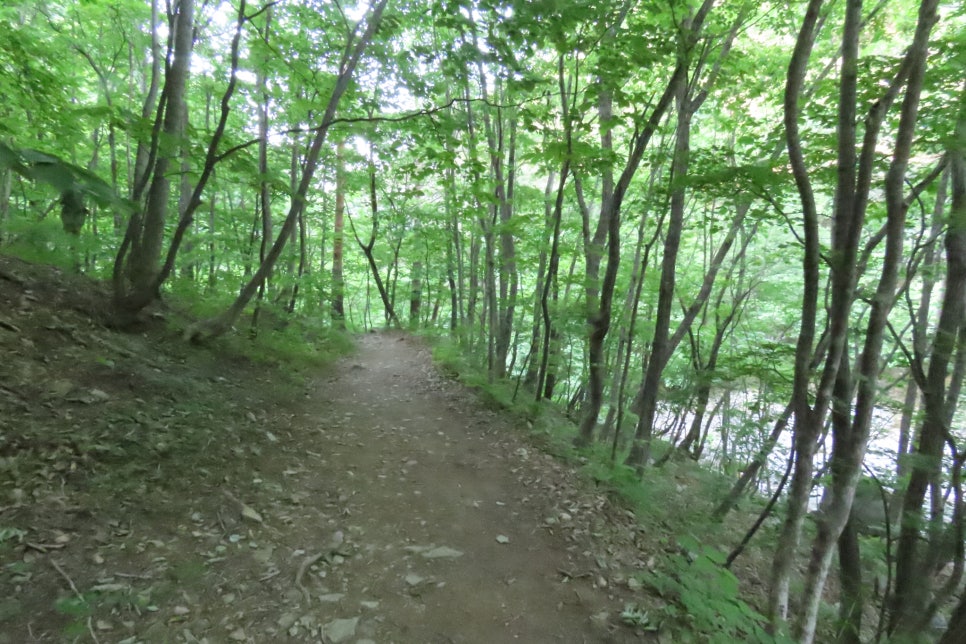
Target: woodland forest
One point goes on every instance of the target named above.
(723, 231)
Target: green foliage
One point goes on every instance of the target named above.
(73, 77)
(49, 169)
(80, 608)
(703, 598)
(11, 534)
(73, 606)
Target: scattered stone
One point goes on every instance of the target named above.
(286, 621)
(238, 635)
(413, 579)
(501, 538)
(331, 598)
(600, 618)
(340, 630)
(251, 515)
(442, 552)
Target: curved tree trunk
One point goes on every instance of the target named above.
(805, 428)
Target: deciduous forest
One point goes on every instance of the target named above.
(720, 232)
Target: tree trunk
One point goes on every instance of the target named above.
(688, 99)
(912, 582)
(338, 239)
(358, 43)
(6, 185)
(803, 440)
(129, 303)
(621, 365)
(850, 438)
(415, 295)
(140, 256)
(387, 304)
(545, 378)
(145, 151)
(608, 231)
(926, 268)
(533, 365)
(264, 188)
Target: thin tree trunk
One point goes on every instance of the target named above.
(6, 186)
(354, 49)
(368, 246)
(533, 364)
(146, 234)
(804, 444)
(264, 188)
(912, 584)
(608, 231)
(338, 239)
(850, 439)
(415, 295)
(688, 101)
(128, 304)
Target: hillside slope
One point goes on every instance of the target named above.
(154, 491)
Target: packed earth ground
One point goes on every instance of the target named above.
(155, 491)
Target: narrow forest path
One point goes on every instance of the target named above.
(152, 491)
(442, 523)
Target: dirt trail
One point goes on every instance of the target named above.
(454, 528)
(156, 492)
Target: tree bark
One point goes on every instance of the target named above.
(353, 52)
(912, 583)
(804, 444)
(140, 255)
(415, 294)
(850, 439)
(128, 304)
(338, 239)
(608, 232)
(368, 246)
(688, 98)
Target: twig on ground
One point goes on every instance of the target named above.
(10, 277)
(9, 326)
(270, 574)
(308, 561)
(43, 547)
(90, 628)
(572, 575)
(70, 581)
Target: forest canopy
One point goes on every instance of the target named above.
(727, 232)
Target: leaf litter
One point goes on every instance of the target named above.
(154, 491)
